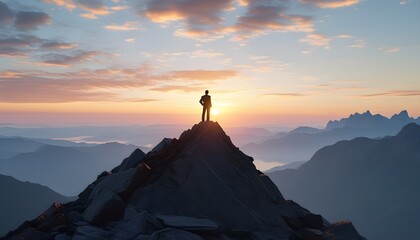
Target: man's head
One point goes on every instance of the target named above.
(207, 92)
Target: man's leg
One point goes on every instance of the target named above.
(208, 114)
(202, 114)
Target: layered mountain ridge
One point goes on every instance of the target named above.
(22, 200)
(373, 182)
(301, 143)
(199, 186)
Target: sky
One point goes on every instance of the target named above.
(265, 62)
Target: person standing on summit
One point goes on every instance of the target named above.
(205, 101)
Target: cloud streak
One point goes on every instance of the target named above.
(127, 26)
(288, 94)
(330, 3)
(316, 39)
(92, 7)
(98, 85)
(68, 60)
(396, 93)
(18, 45)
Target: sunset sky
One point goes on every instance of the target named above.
(286, 62)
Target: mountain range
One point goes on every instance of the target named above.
(372, 182)
(66, 168)
(200, 186)
(301, 143)
(20, 201)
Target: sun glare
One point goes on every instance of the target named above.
(214, 111)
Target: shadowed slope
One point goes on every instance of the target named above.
(199, 186)
(371, 182)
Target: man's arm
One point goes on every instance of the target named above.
(201, 101)
(210, 101)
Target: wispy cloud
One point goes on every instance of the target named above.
(127, 26)
(92, 7)
(403, 2)
(359, 43)
(64, 60)
(389, 49)
(130, 40)
(19, 45)
(99, 85)
(54, 45)
(286, 94)
(203, 75)
(197, 14)
(316, 39)
(331, 3)
(178, 88)
(396, 93)
(343, 36)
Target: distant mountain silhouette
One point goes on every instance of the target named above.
(143, 136)
(372, 182)
(12, 146)
(66, 170)
(200, 186)
(300, 144)
(20, 201)
(293, 165)
(368, 121)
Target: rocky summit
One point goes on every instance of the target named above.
(199, 186)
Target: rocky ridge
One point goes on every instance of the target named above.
(199, 186)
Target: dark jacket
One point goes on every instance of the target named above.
(205, 101)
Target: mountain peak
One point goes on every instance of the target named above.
(199, 184)
(409, 131)
(367, 120)
(367, 113)
(402, 115)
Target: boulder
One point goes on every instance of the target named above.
(106, 206)
(104, 202)
(191, 224)
(135, 223)
(91, 233)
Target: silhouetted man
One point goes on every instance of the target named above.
(206, 102)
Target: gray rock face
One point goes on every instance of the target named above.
(199, 186)
(211, 178)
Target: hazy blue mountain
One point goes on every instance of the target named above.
(293, 165)
(66, 170)
(304, 129)
(20, 201)
(368, 121)
(10, 147)
(143, 136)
(372, 182)
(200, 186)
(300, 144)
